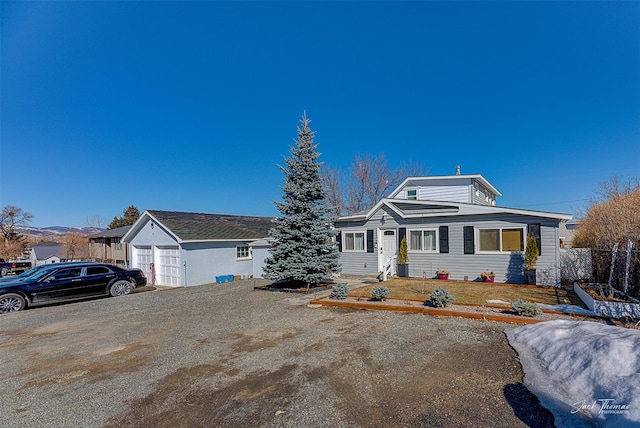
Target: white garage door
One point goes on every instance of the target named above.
(168, 269)
(143, 259)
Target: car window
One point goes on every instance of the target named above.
(41, 274)
(67, 273)
(30, 272)
(97, 270)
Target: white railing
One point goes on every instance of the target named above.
(390, 267)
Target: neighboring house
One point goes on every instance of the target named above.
(452, 223)
(47, 252)
(568, 232)
(183, 249)
(108, 247)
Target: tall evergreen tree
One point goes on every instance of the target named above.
(304, 252)
(130, 216)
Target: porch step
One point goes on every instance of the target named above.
(372, 278)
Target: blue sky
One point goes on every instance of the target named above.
(190, 106)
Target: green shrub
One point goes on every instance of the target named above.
(339, 291)
(531, 253)
(525, 309)
(379, 292)
(441, 298)
(403, 252)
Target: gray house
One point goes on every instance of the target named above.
(47, 252)
(452, 223)
(183, 249)
(107, 246)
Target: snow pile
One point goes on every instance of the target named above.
(586, 373)
(567, 309)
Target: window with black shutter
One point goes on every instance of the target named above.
(535, 229)
(402, 232)
(444, 239)
(469, 245)
(370, 241)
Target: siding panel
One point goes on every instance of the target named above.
(444, 193)
(507, 266)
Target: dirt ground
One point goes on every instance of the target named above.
(225, 355)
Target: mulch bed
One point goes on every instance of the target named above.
(311, 290)
(480, 312)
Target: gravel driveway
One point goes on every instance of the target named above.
(225, 355)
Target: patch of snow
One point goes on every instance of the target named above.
(568, 309)
(586, 373)
(497, 301)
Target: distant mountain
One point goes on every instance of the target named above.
(56, 230)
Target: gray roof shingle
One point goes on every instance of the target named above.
(45, 250)
(118, 232)
(199, 227)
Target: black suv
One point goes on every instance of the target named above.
(68, 281)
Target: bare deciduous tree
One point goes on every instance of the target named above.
(332, 178)
(95, 222)
(13, 243)
(77, 245)
(10, 218)
(616, 186)
(613, 219)
(369, 179)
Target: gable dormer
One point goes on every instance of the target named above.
(467, 189)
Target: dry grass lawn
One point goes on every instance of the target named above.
(471, 292)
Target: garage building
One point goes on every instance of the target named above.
(183, 249)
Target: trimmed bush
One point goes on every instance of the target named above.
(339, 291)
(441, 298)
(379, 292)
(525, 309)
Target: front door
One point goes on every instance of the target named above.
(389, 246)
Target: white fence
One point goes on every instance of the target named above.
(575, 263)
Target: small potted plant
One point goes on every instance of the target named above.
(488, 276)
(403, 259)
(531, 255)
(443, 274)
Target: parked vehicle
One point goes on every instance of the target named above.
(33, 270)
(68, 281)
(16, 267)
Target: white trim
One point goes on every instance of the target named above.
(137, 226)
(195, 241)
(422, 230)
(380, 249)
(477, 177)
(354, 232)
(249, 253)
(461, 209)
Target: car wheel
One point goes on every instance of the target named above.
(121, 288)
(11, 303)
(4, 272)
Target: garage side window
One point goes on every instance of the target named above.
(243, 252)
